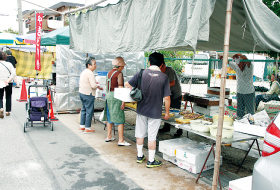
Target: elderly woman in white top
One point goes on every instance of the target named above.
(87, 88)
(7, 73)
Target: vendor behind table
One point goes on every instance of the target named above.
(245, 87)
(176, 95)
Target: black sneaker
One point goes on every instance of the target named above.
(155, 163)
(140, 159)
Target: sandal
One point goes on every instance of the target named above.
(7, 113)
(108, 140)
(124, 144)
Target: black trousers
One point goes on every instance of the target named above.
(175, 103)
(8, 89)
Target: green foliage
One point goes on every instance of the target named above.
(177, 65)
(10, 30)
(271, 70)
(273, 5)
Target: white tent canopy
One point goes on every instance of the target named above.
(143, 25)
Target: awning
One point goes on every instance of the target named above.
(59, 36)
(144, 25)
(7, 38)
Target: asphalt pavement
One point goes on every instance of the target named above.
(45, 159)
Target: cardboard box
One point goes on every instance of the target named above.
(169, 147)
(271, 115)
(197, 168)
(272, 106)
(123, 94)
(244, 183)
(171, 159)
(194, 154)
(249, 129)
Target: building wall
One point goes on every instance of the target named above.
(31, 17)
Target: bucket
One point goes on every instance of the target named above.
(102, 73)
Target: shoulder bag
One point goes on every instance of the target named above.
(6, 68)
(135, 93)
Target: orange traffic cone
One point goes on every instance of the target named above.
(51, 114)
(23, 94)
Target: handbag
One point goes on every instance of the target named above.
(135, 93)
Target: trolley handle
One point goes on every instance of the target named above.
(36, 86)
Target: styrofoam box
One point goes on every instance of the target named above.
(245, 146)
(197, 168)
(123, 94)
(272, 106)
(244, 183)
(249, 129)
(260, 142)
(210, 110)
(254, 153)
(169, 146)
(241, 145)
(171, 159)
(101, 79)
(194, 154)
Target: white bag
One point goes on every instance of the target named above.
(101, 116)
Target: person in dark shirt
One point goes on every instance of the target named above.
(154, 87)
(176, 95)
(12, 59)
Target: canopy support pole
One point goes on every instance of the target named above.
(222, 95)
(192, 72)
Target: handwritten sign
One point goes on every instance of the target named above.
(39, 21)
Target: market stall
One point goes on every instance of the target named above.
(183, 25)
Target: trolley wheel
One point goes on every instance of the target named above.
(25, 125)
(51, 125)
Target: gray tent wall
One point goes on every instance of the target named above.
(71, 63)
(143, 25)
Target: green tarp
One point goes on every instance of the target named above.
(59, 36)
